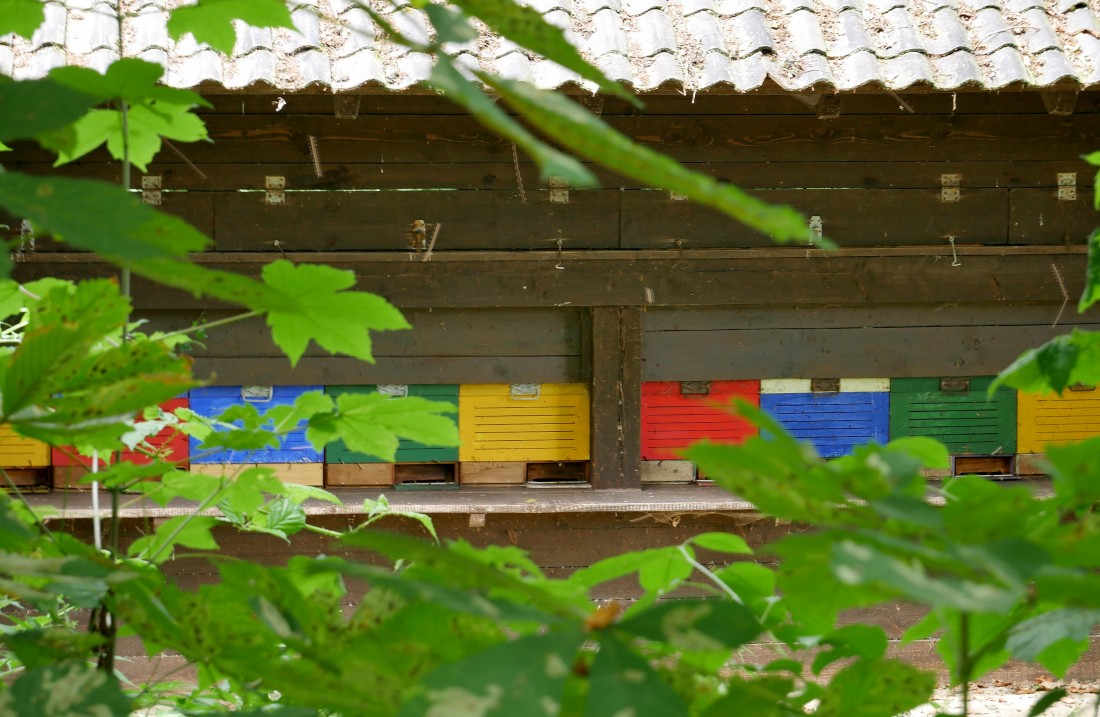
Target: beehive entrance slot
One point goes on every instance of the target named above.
(425, 476)
(983, 465)
(695, 388)
(825, 385)
(566, 472)
(954, 385)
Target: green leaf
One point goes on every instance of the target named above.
(876, 688)
(284, 518)
(695, 625)
(624, 684)
(22, 17)
(584, 134)
(1092, 158)
(370, 423)
(758, 697)
(528, 28)
(503, 681)
(1047, 701)
(867, 642)
(1060, 636)
(32, 107)
(930, 452)
(65, 690)
(722, 543)
(338, 320)
(857, 564)
(129, 79)
(1091, 294)
(450, 24)
(552, 163)
(1063, 361)
(193, 531)
(211, 21)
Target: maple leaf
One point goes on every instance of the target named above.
(339, 321)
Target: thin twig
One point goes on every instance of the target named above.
(181, 155)
(431, 244)
(519, 175)
(1065, 294)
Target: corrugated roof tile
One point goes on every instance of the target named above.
(845, 44)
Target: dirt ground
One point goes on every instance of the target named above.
(1015, 699)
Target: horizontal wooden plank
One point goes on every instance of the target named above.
(777, 278)
(380, 221)
(854, 217)
(444, 332)
(330, 370)
(681, 319)
(1037, 216)
(338, 173)
(265, 139)
(795, 353)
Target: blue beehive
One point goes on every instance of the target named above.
(834, 415)
(213, 400)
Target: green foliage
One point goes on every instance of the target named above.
(211, 21)
(21, 16)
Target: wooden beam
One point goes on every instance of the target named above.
(766, 278)
(616, 397)
(346, 106)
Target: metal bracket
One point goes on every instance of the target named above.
(150, 189)
(949, 187)
(525, 391)
(257, 394)
(1081, 387)
(816, 229)
(954, 385)
(1067, 186)
(824, 385)
(695, 388)
(276, 190)
(676, 197)
(393, 390)
(26, 235)
(559, 190)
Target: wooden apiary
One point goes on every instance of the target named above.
(956, 412)
(676, 414)
(212, 401)
(407, 451)
(523, 422)
(835, 415)
(1045, 419)
(311, 474)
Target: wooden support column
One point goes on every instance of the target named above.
(616, 361)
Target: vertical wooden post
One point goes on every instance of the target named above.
(616, 361)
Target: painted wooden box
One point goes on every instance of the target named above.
(956, 412)
(1048, 418)
(169, 444)
(407, 451)
(293, 447)
(676, 414)
(523, 422)
(835, 415)
(19, 452)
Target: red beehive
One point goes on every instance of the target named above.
(170, 445)
(676, 414)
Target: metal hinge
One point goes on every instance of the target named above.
(150, 189)
(559, 190)
(1067, 186)
(816, 229)
(276, 190)
(949, 187)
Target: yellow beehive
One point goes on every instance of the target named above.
(523, 422)
(19, 452)
(1047, 418)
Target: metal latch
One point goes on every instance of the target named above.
(949, 187)
(257, 394)
(150, 189)
(559, 190)
(1081, 387)
(815, 230)
(525, 391)
(276, 190)
(1067, 186)
(393, 390)
(695, 388)
(824, 385)
(954, 385)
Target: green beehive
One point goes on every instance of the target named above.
(956, 412)
(407, 451)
